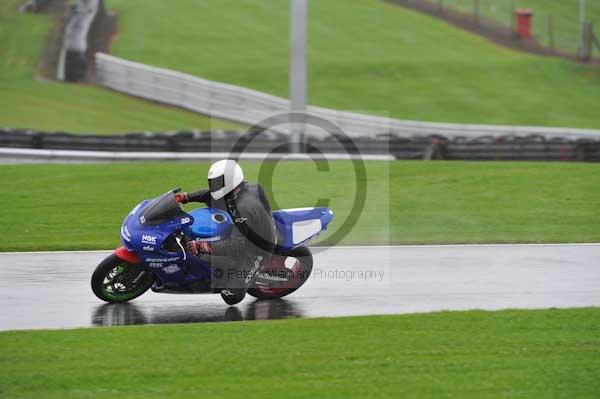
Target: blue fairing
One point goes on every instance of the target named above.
(147, 242)
(149, 239)
(296, 226)
(161, 246)
(211, 224)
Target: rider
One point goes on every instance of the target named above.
(253, 236)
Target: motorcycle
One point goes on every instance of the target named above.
(153, 255)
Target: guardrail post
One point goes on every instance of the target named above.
(511, 16)
(588, 42)
(550, 32)
(593, 39)
(582, 29)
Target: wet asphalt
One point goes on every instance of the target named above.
(52, 290)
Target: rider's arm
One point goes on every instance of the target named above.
(202, 195)
(196, 196)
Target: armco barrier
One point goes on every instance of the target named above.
(76, 52)
(532, 148)
(25, 155)
(250, 107)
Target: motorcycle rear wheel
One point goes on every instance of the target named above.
(297, 275)
(116, 281)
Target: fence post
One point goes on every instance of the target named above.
(586, 52)
(476, 10)
(582, 27)
(441, 5)
(511, 15)
(594, 38)
(550, 32)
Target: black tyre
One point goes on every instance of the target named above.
(115, 280)
(295, 276)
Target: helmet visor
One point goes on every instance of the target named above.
(216, 184)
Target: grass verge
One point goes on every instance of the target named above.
(508, 354)
(364, 55)
(69, 207)
(26, 102)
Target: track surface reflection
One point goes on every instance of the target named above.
(52, 290)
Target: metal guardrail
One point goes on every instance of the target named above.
(205, 145)
(20, 155)
(250, 107)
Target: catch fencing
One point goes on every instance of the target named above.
(251, 107)
(556, 32)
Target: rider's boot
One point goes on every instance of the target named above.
(231, 296)
(235, 287)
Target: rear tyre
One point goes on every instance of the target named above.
(116, 281)
(295, 276)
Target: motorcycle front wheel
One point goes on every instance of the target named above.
(115, 280)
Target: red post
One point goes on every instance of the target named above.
(524, 16)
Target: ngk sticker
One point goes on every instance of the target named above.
(148, 239)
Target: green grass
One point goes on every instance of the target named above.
(564, 14)
(27, 102)
(68, 207)
(364, 55)
(509, 354)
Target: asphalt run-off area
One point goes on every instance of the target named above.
(52, 289)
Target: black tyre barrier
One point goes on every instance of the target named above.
(530, 148)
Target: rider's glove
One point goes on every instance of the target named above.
(196, 247)
(204, 247)
(182, 198)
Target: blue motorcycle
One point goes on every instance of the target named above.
(153, 255)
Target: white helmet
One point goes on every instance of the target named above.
(223, 177)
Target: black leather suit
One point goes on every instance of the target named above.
(253, 237)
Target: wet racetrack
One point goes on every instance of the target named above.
(52, 290)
